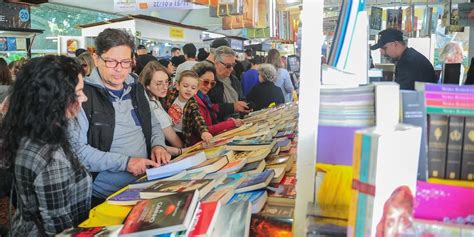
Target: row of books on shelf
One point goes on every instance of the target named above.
(451, 147)
(235, 186)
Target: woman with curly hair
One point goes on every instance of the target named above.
(53, 188)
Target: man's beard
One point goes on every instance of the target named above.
(389, 59)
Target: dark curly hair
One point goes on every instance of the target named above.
(43, 91)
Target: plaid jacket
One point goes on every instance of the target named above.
(193, 122)
(55, 193)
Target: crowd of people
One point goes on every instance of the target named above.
(76, 130)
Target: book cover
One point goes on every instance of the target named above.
(253, 167)
(211, 165)
(288, 180)
(437, 144)
(278, 211)
(126, 197)
(161, 215)
(279, 173)
(233, 220)
(263, 226)
(394, 18)
(192, 174)
(167, 187)
(232, 181)
(232, 167)
(450, 111)
(113, 230)
(250, 145)
(252, 156)
(257, 181)
(467, 168)
(206, 219)
(467, 89)
(282, 194)
(257, 198)
(413, 112)
(454, 150)
(175, 166)
(222, 195)
(375, 20)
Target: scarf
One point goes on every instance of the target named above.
(208, 103)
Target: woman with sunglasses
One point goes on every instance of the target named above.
(209, 111)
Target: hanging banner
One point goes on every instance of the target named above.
(15, 15)
(144, 5)
(177, 33)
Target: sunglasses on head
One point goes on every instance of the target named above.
(207, 82)
(228, 66)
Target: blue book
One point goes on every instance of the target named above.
(232, 181)
(256, 198)
(256, 181)
(126, 197)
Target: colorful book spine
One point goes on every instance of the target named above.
(364, 178)
(456, 104)
(354, 192)
(450, 111)
(454, 152)
(449, 88)
(467, 168)
(448, 96)
(437, 143)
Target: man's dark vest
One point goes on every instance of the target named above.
(101, 115)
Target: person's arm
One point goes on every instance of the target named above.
(172, 137)
(287, 81)
(93, 159)
(52, 188)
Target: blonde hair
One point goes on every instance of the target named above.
(187, 73)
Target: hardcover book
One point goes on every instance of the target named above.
(168, 187)
(467, 168)
(161, 215)
(257, 181)
(233, 220)
(437, 143)
(454, 152)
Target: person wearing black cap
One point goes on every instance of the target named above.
(214, 45)
(411, 65)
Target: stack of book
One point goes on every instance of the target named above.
(342, 112)
(245, 179)
(450, 111)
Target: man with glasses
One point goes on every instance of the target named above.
(227, 89)
(411, 65)
(116, 136)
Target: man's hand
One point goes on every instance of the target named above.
(160, 155)
(206, 137)
(137, 165)
(241, 106)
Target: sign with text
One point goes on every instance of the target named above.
(144, 5)
(177, 33)
(15, 15)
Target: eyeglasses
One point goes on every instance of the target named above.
(114, 63)
(228, 66)
(207, 82)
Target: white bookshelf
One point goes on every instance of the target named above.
(312, 40)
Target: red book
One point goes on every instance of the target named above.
(205, 219)
(463, 104)
(288, 180)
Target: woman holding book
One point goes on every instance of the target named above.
(266, 93)
(207, 74)
(155, 78)
(53, 188)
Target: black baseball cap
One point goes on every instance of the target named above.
(387, 36)
(219, 42)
